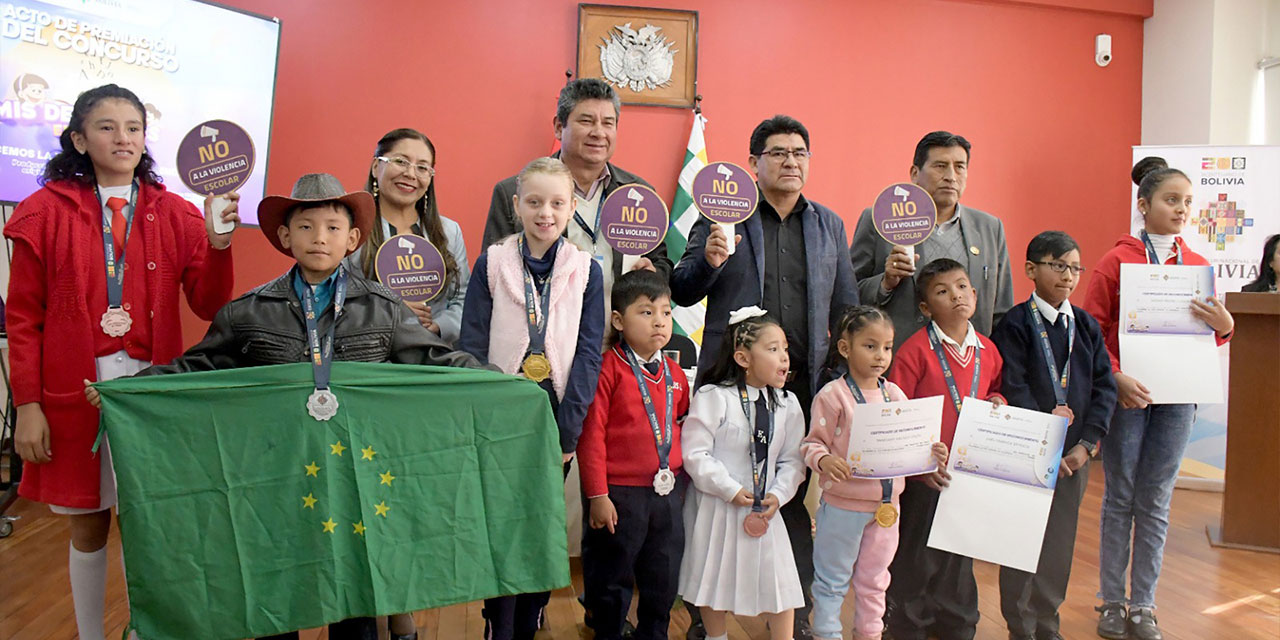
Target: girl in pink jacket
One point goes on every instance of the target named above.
(857, 531)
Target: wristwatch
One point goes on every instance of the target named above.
(1091, 447)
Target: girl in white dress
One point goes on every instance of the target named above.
(741, 444)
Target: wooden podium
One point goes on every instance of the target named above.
(1251, 493)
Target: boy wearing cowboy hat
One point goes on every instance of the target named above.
(317, 302)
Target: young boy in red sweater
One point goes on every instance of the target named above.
(933, 592)
(629, 455)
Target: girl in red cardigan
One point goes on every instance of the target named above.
(99, 254)
(1146, 441)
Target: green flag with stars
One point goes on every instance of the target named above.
(242, 516)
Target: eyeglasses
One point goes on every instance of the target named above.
(1062, 267)
(781, 155)
(423, 169)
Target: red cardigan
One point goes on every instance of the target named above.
(917, 372)
(1102, 300)
(617, 444)
(57, 289)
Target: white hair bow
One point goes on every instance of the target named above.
(744, 313)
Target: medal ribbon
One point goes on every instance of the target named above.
(946, 368)
(761, 434)
(114, 263)
(1059, 381)
(322, 351)
(886, 485)
(661, 434)
(1152, 258)
(537, 325)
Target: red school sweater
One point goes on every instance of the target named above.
(617, 445)
(917, 371)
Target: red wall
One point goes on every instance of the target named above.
(1051, 130)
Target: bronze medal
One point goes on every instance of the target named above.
(536, 367)
(886, 515)
(755, 524)
(116, 322)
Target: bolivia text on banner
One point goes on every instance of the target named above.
(242, 516)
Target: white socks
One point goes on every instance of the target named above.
(723, 637)
(89, 591)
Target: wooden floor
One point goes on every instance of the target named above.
(1205, 593)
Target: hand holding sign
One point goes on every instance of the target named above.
(214, 159)
(904, 215)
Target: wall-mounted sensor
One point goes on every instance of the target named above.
(1102, 49)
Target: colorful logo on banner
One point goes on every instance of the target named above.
(634, 219)
(904, 214)
(725, 193)
(411, 267)
(215, 157)
(1221, 222)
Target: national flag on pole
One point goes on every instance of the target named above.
(689, 320)
(242, 516)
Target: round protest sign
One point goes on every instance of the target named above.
(634, 219)
(724, 193)
(215, 157)
(411, 267)
(904, 214)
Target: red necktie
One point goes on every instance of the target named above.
(119, 228)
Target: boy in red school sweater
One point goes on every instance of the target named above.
(629, 455)
(933, 592)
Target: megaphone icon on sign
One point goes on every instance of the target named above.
(635, 197)
(209, 132)
(725, 171)
(405, 244)
(901, 193)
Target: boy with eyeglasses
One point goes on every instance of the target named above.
(1055, 361)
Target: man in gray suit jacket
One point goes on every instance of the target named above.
(791, 260)
(971, 237)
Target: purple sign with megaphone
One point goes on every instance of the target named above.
(411, 267)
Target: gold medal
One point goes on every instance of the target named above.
(886, 515)
(536, 367)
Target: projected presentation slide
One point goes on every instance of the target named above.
(189, 62)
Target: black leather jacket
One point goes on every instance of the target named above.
(265, 326)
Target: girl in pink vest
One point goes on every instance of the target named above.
(535, 307)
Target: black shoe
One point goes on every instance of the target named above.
(1112, 621)
(1142, 625)
(1021, 636)
(407, 636)
(696, 632)
(1052, 635)
(628, 629)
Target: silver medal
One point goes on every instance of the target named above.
(116, 322)
(322, 404)
(664, 481)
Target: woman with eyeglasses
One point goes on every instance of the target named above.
(402, 181)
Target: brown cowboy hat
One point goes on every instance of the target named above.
(315, 188)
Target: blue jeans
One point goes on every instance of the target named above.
(1140, 454)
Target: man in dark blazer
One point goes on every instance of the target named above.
(790, 259)
(969, 236)
(586, 124)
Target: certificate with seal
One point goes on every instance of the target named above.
(895, 439)
(1004, 467)
(1171, 352)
